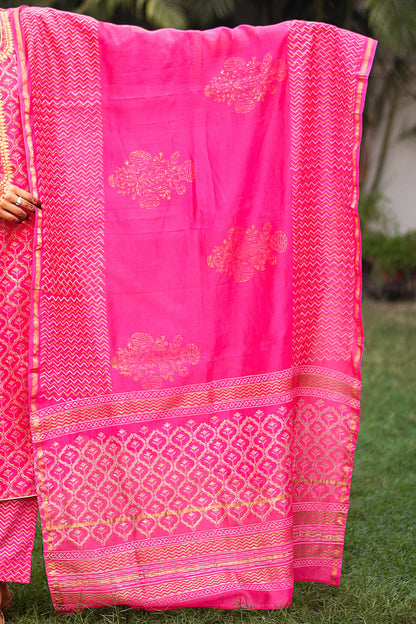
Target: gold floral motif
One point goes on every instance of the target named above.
(152, 178)
(244, 83)
(244, 251)
(154, 361)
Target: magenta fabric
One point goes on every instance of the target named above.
(17, 535)
(201, 258)
(16, 242)
(196, 328)
(18, 505)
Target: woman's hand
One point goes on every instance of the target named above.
(16, 204)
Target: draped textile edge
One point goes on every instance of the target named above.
(16, 460)
(61, 603)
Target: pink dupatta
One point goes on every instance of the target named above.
(196, 327)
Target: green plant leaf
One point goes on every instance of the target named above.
(394, 23)
(166, 14)
(204, 12)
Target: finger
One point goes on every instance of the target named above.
(12, 209)
(25, 195)
(7, 216)
(11, 196)
(22, 204)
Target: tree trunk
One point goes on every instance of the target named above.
(319, 10)
(347, 17)
(386, 142)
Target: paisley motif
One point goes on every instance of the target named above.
(150, 179)
(245, 83)
(154, 361)
(245, 251)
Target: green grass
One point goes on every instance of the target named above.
(378, 582)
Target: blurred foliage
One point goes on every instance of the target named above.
(376, 214)
(391, 254)
(389, 258)
(377, 15)
(394, 23)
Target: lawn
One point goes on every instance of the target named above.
(378, 583)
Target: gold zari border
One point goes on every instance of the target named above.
(222, 397)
